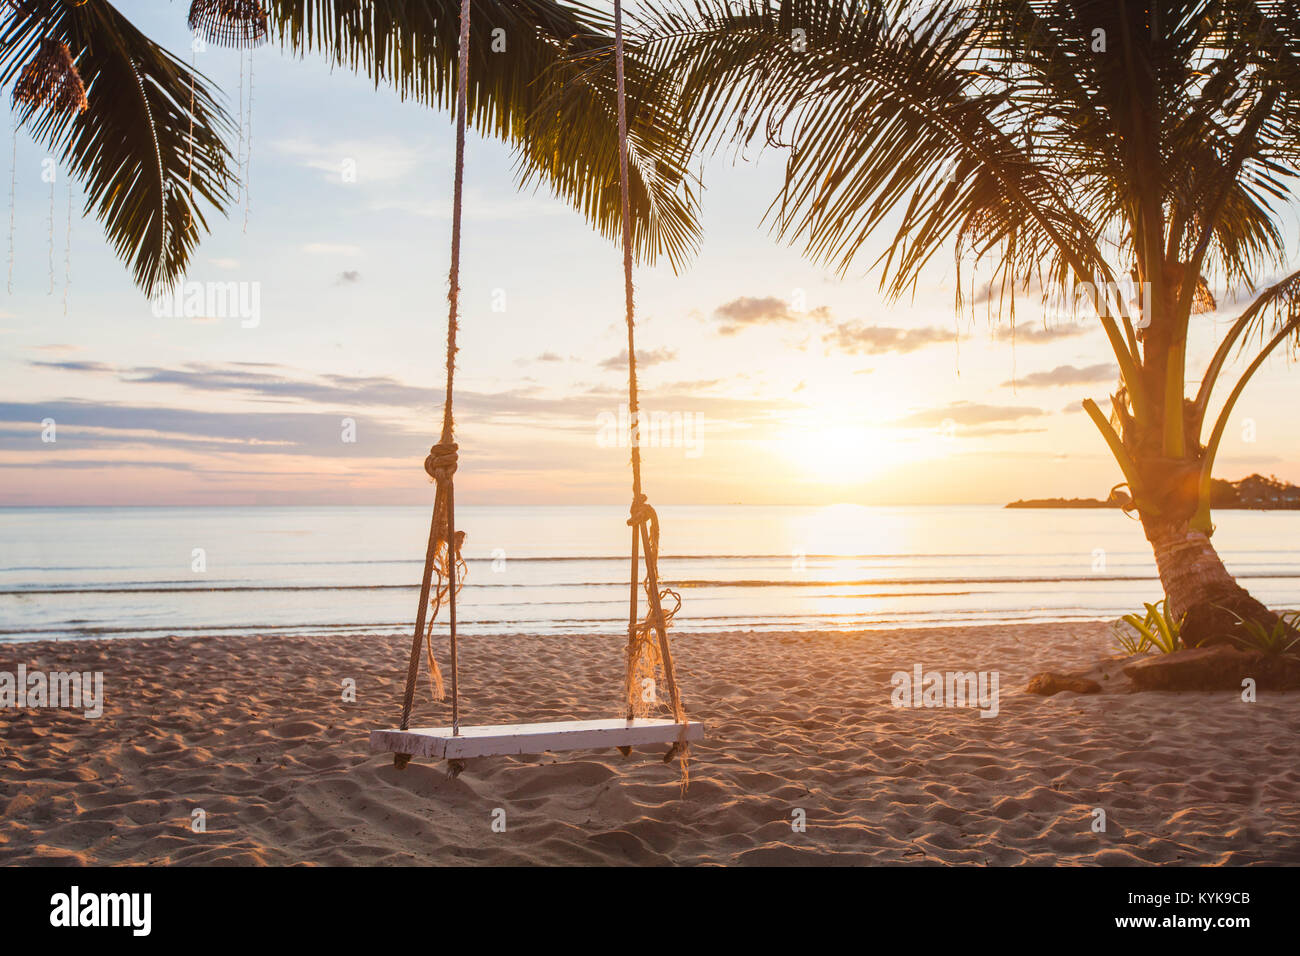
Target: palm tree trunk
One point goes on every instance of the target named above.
(1198, 586)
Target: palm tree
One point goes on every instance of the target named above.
(1072, 145)
(149, 144)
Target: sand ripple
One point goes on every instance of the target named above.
(255, 733)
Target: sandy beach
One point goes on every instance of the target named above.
(254, 732)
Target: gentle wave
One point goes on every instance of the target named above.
(689, 583)
(86, 572)
(509, 625)
(558, 558)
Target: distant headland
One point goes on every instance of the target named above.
(1255, 492)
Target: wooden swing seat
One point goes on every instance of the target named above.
(444, 549)
(497, 740)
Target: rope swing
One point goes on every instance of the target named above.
(644, 654)
(648, 653)
(441, 462)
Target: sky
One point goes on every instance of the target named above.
(766, 379)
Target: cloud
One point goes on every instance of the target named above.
(968, 413)
(336, 390)
(312, 427)
(548, 357)
(225, 263)
(1068, 375)
(1038, 334)
(691, 385)
(74, 366)
(748, 310)
(994, 291)
(644, 358)
(268, 381)
(875, 339)
(91, 425)
(578, 412)
(751, 310)
(96, 464)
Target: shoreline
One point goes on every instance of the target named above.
(268, 631)
(254, 732)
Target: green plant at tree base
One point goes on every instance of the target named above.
(1158, 631)
(1276, 640)
(1130, 642)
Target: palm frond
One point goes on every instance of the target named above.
(130, 147)
(884, 114)
(1274, 308)
(539, 80)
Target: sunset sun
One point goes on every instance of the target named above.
(839, 441)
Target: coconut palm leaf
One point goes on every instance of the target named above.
(549, 93)
(541, 79)
(1012, 102)
(130, 148)
(892, 119)
(1280, 302)
(1047, 141)
(882, 114)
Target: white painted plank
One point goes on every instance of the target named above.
(494, 740)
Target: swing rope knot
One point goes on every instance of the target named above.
(641, 512)
(442, 460)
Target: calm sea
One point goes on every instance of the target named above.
(139, 572)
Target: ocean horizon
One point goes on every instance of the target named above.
(112, 572)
